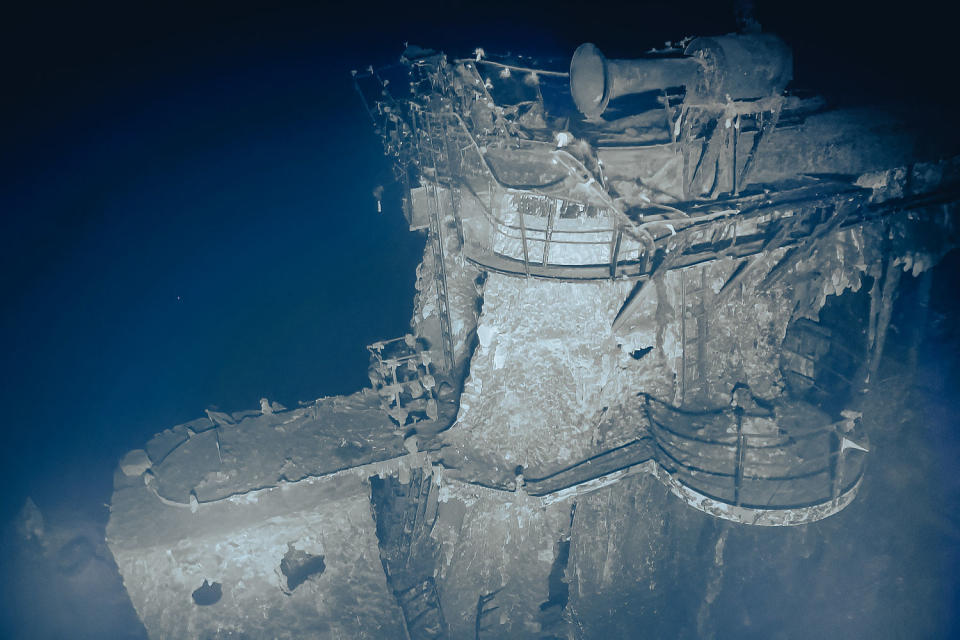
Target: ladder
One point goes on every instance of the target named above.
(693, 329)
(433, 150)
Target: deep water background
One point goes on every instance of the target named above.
(186, 217)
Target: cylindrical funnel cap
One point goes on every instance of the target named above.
(588, 80)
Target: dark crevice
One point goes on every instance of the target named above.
(639, 353)
(405, 514)
(834, 348)
(485, 607)
(552, 623)
(559, 592)
(299, 566)
(207, 594)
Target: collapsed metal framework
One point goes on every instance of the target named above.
(401, 373)
(570, 224)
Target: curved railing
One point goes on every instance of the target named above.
(521, 229)
(533, 244)
(723, 460)
(535, 236)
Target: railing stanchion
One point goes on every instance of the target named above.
(615, 250)
(738, 472)
(554, 211)
(523, 240)
(836, 469)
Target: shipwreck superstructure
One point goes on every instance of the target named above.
(713, 194)
(647, 285)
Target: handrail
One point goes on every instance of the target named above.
(591, 459)
(519, 227)
(732, 475)
(830, 428)
(788, 438)
(788, 505)
(825, 458)
(541, 72)
(648, 233)
(562, 157)
(502, 224)
(734, 462)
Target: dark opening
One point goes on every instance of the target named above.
(207, 594)
(299, 566)
(551, 611)
(559, 589)
(639, 353)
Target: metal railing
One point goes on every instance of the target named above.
(536, 225)
(776, 470)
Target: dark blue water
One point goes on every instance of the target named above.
(186, 217)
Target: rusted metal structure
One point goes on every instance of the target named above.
(643, 279)
(689, 158)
